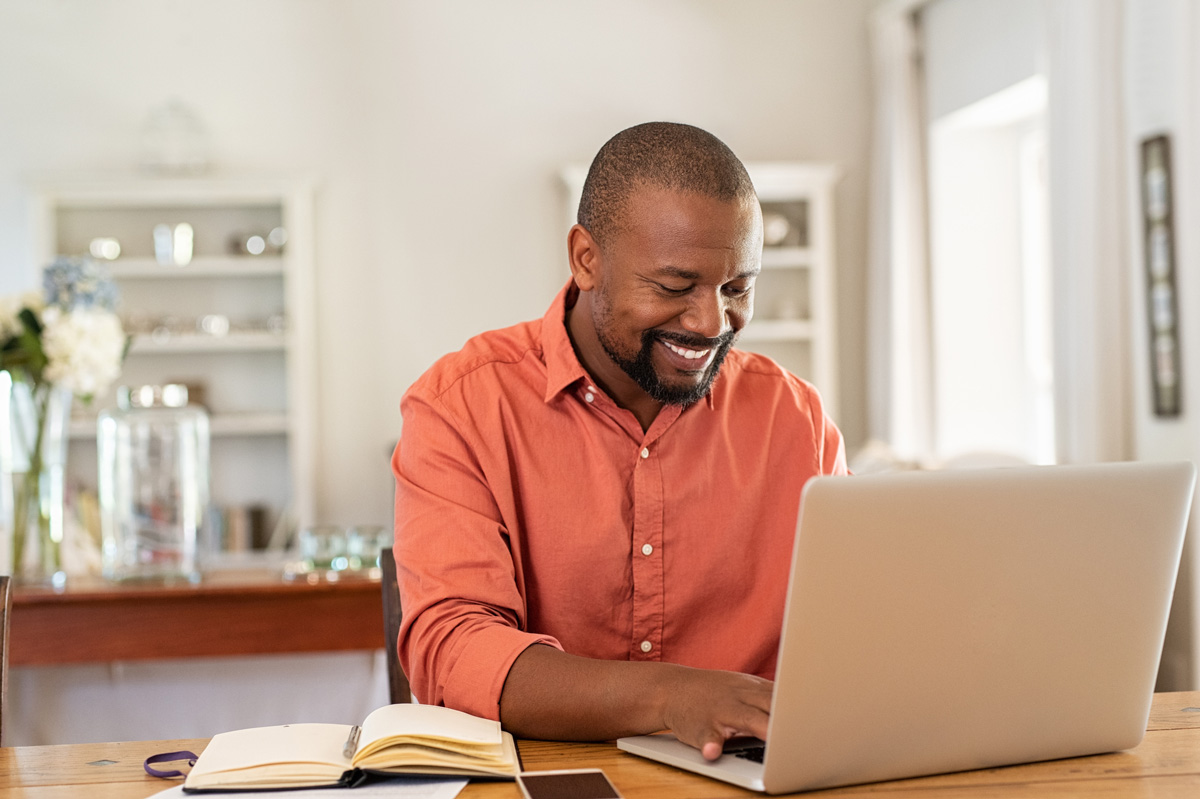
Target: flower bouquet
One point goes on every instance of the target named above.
(61, 343)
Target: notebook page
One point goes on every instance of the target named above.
(428, 721)
(289, 743)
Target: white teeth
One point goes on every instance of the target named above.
(689, 354)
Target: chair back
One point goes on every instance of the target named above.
(398, 689)
(5, 615)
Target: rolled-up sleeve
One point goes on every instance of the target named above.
(464, 614)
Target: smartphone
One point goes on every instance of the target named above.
(581, 783)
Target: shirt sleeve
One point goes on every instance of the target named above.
(463, 612)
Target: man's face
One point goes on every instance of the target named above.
(676, 287)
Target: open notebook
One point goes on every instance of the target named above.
(395, 739)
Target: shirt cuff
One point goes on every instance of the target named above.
(476, 680)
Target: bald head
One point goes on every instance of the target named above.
(663, 155)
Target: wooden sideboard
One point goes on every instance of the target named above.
(233, 613)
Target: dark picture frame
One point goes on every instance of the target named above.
(1158, 252)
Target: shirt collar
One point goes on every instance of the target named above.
(562, 364)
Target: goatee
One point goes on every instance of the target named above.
(641, 367)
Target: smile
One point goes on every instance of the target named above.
(691, 355)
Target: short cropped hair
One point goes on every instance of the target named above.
(665, 155)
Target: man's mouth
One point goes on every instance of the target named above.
(690, 354)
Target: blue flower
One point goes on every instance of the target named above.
(72, 283)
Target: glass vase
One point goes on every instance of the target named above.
(33, 457)
(154, 485)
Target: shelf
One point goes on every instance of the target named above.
(787, 257)
(219, 425)
(778, 330)
(246, 342)
(231, 266)
(248, 424)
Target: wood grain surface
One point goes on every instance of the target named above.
(1166, 764)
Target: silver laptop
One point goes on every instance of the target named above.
(946, 621)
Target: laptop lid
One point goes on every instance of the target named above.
(945, 621)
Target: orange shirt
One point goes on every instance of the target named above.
(531, 508)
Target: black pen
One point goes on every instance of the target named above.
(352, 741)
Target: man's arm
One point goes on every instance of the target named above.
(552, 695)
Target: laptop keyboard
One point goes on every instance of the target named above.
(753, 753)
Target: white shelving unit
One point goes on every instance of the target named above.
(196, 342)
(795, 316)
(258, 376)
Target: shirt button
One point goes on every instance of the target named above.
(647, 549)
(645, 453)
(647, 646)
(591, 388)
(589, 396)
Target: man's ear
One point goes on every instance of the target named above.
(584, 254)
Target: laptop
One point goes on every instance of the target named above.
(957, 620)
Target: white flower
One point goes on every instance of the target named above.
(83, 349)
(10, 308)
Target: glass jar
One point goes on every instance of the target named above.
(154, 484)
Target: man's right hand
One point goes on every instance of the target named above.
(552, 695)
(706, 708)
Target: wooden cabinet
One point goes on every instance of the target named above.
(228, 614)
(795, 302)
(233, 322)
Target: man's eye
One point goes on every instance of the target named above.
(676, 291)
(737, 291)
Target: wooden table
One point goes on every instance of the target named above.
(1166, 764)
(230, 613)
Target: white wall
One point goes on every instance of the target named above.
(436, 130)
(975, 48)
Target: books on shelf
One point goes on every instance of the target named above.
(395, 739)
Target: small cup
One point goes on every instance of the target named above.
(364, 543)
(323, 548)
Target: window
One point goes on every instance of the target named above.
(990, 302)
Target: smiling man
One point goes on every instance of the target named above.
(595, 510)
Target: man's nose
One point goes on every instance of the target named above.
(707, 315)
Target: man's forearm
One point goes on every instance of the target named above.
(552, 695)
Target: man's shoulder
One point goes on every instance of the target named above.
(748, 376)
(753, 365)
(478, 358)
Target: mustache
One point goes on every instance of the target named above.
(691, 342)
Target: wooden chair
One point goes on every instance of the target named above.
(5, 615)
(398, 688)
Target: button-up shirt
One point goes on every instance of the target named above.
(531, 508)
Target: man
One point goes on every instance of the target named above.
(595, 510)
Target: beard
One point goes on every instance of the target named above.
(640, 367)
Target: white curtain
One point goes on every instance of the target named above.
(899, 350)
(1088, 216)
